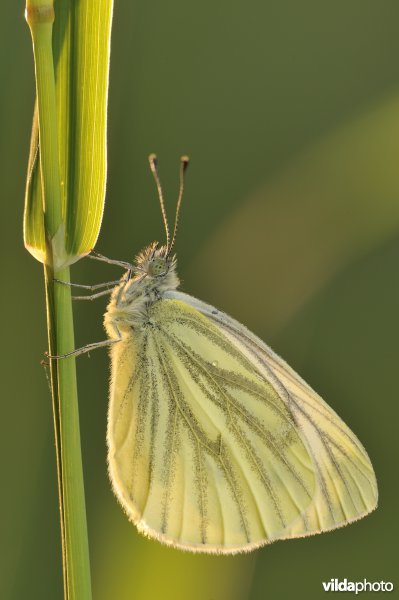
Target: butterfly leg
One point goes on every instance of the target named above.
(109, 284)
(110, 261)
(45, 364)
(92, 296)
(96, 286)
(84, 349)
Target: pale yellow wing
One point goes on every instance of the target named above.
(346, 485)
(204, 453)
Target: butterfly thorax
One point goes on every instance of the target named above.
(153, 274)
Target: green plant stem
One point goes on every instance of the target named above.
(77, 586)
(66, 420)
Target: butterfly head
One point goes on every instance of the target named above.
(155, 261)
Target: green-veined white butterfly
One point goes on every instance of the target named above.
(214, 443)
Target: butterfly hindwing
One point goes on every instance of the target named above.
(346, 485)
(203, 451)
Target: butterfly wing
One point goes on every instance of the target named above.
(346, 488)
(204, 452)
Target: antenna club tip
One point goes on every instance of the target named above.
(185, 160)
(152, 158)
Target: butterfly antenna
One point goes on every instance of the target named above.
(154, 168)
(184, 161)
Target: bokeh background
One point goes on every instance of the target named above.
(290, 113)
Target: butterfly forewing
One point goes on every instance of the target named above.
(203, 452)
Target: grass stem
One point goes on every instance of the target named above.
(77, 585)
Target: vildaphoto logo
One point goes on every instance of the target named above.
(335, 585)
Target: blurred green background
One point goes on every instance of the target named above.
(290, 113)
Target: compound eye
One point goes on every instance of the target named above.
(157, 266)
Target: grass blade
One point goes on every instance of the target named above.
(81, 48)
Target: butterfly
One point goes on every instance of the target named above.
(214, 443)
